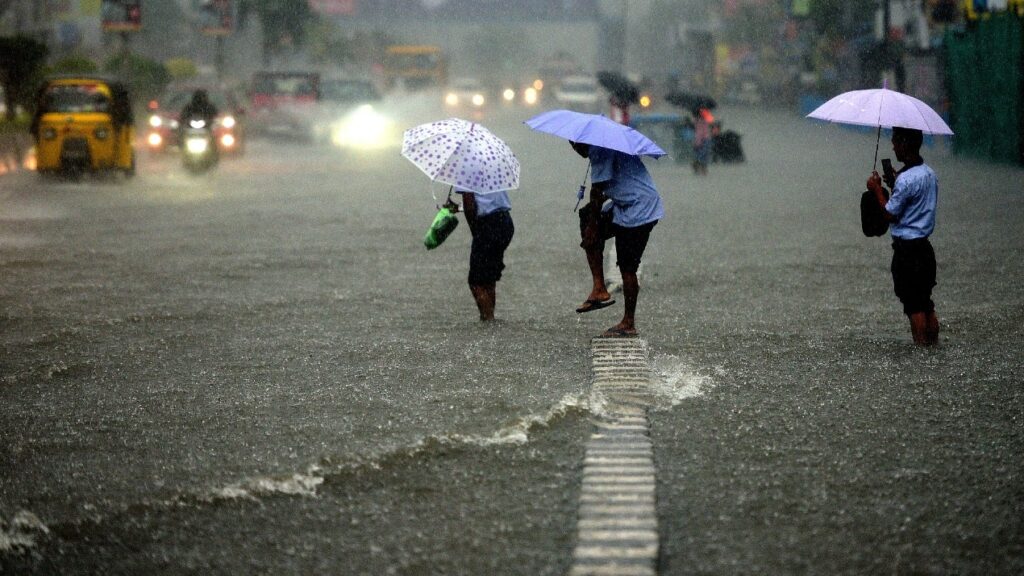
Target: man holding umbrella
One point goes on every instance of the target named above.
(617, 175)
(634, 210)
(911, 214)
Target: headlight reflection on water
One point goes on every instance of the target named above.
(363, 128)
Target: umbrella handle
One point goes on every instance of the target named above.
(878, 138)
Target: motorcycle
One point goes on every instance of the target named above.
(199, 151)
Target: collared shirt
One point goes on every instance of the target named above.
(634, 199)
(913, 202)
(488, 203)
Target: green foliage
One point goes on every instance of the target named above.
(146, 78)
(181, 69)
(21, 69)
(73, 64)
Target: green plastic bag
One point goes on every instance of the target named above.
(440, 228)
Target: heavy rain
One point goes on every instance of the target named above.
(225, 348)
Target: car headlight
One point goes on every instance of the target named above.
(509, 94)
(155, 121)
(363, 128)
(530, 96)
(154, 139)
(477, 100)
(228, 121)
(452, 99)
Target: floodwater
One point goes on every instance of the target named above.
(261, 370)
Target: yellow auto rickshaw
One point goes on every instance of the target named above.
(83, 123)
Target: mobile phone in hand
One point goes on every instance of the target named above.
(888, 172)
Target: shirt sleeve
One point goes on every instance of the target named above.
(601, 165)
(900, 195)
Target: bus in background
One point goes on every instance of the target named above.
(415, 66)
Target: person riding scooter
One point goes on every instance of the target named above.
(199, 107)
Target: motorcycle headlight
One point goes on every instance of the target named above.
(196, 145)
(101, 133)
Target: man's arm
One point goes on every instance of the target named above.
(875, 185)
(469, 207)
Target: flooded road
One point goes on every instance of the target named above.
(262, 371)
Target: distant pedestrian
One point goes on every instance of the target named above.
(702, 139)
(911, 214)
(490, 221)
(633, 211)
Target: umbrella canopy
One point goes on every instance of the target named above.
(690, 101)
(881, 108)
(620, 87)
(463, 154)
(595, 130)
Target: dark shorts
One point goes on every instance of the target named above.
(913, 274)
(630, 243)
(491, 236)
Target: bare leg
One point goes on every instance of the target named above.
(485, 300)
(932, 327)
(919, 327)
(595, 259)
(630, 291)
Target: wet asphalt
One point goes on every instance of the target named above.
(262, 371)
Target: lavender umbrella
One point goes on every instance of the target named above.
(882, 108)
(463, 154)
(595, 130)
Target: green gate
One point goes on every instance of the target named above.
(986, 88)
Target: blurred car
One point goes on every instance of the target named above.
(579, 92)
(465, 93)
(285, 103)
(351, 114)
(162, 125)
(522, 93)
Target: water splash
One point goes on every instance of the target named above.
(306, 483)
(675, 380)
(19, 535)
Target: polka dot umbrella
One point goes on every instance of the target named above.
(463, 154)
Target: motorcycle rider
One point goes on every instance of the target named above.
(199, 107)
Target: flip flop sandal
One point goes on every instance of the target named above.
(591, 305)
(619, 333)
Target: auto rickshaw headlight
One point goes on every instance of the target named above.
(101, 133)
(49, 134)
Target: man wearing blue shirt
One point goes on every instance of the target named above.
(633, 211)
(910, 212)
(490, 222)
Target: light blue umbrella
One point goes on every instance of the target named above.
(595, 130)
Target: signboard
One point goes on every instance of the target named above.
(215, 17)
(121, 15)
(333, 7)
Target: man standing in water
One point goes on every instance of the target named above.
(490, 222)
(634, 211)
(910, 212)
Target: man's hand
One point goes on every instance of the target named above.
(875, 182)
